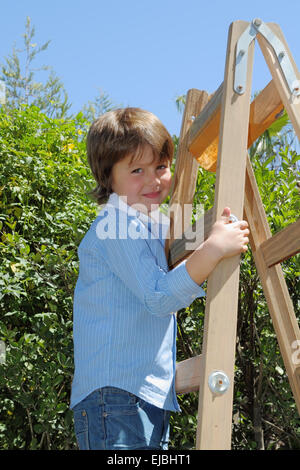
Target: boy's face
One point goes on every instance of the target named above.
(145, 182)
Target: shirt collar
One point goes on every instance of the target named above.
(156, 217)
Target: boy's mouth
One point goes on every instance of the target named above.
(152, 195)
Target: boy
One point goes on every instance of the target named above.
(126, 297)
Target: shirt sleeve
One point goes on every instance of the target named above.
(162, 292)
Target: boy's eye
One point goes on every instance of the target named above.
(159, 167)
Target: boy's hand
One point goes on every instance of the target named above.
(228, 239)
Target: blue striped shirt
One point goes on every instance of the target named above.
(125, 302)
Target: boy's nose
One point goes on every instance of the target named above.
(152, 181)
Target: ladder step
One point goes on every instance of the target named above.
(203, 134)
(282, 245)
(187, 377)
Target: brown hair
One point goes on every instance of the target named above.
(117, 134)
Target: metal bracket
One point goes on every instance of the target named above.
(218, 382)
(241, 58)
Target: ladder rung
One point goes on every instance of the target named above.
(203, 134)
(187, 377)
(282, 245)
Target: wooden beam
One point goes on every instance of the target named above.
(219, 340)
(185, 174)
(290, 102)
(203, 135)
(202, 140)
(187, 377)
(265, 109)
(282, 245)
(274, 286)
(198, 231)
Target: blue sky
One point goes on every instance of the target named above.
(142, 53)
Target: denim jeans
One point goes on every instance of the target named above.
(111, 418)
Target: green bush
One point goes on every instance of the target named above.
(44, 214)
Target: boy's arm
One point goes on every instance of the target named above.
(202, 262)
(163, 292)
(225, 240)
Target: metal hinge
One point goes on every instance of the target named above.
(241, 58)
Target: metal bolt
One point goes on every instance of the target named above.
(240, 88)
(233, 218)
(257, 22)
(281, 55)
(218, 382)
(242, 52)
(278, 115)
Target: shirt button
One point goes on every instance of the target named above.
(104, 414)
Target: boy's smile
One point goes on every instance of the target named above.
(145, 182)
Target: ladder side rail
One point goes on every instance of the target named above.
(274, 286)
(218, 349)
(199, 231)
(185, 173)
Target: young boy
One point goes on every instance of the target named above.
(126, 297)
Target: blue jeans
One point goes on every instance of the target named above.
(111, 418)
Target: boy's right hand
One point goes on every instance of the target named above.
(228, 239)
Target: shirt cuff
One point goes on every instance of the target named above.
(182, 285)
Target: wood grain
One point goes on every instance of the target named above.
(203, 136)
(219, 340)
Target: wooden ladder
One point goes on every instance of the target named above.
(217, 130)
